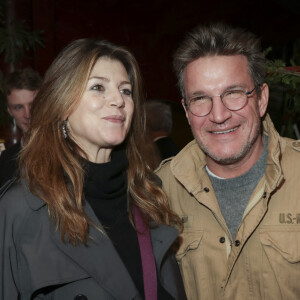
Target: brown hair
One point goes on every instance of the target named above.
(26, 79)
(53, 165)
(220, 39)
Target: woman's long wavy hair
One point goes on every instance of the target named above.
(52, 164)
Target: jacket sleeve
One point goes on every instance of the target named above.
(8, 256)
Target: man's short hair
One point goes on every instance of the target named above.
(25, 79)
(159, 115)
(220, 39)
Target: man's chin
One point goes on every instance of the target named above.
(24, 128)
(228, 158)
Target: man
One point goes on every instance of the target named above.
(236, 185)
(159, 125)
(20, 88)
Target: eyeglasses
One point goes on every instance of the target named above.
(201, 106)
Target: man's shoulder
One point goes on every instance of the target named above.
(290, 155)
(290, 148)
(164, 164)
(178, 164)
(164, 170)
(12, 151)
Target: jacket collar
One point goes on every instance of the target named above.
(188, 166)
(274, 175)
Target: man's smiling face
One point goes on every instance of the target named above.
(226, 136)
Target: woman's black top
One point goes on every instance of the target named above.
(105, 189)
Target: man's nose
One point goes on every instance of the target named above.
(219, 113)
(27, 113)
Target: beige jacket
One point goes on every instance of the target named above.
(264, 260)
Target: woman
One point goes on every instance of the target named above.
(87, 219)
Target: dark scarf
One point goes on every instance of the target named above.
(105, 189)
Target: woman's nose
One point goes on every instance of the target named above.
(116, 99)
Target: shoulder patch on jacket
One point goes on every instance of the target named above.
(296, 145)
(165, 161)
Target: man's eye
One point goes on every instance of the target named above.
(126, 92)
(200, 99)
(17, 107)
(234, 94)
(97, 87)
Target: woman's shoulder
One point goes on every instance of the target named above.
(16, 200)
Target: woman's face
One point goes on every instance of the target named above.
(102, 119)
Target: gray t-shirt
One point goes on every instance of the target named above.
(233, 194)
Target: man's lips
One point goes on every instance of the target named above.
(224, 131)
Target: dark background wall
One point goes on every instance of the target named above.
(153, 29)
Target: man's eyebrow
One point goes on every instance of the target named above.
(228, 88)
(232, 87)
(196, 93)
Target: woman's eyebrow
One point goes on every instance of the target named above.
(107, 80)
(99, 77)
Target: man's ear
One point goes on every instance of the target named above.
(185, 109)
(9, 111)
(263, 100)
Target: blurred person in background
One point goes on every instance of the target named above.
(20, 88)
(159, 126)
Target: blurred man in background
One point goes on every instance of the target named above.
(20, 88)
(159, 127)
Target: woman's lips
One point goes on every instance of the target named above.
(115, 118)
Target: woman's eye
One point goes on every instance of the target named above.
(126, 92)
(97, 87)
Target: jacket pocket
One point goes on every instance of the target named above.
(191, 240)
(189, 258)
(281, 268)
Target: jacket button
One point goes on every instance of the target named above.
(206, 189)
(222, 240)
(296, 144)
(81, 297)
(237, 243)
